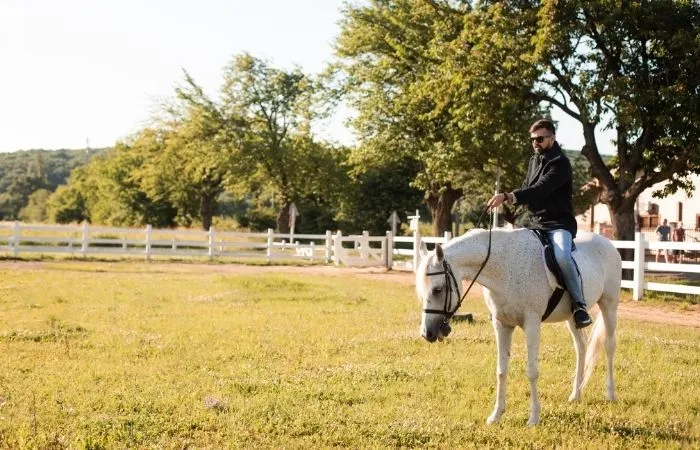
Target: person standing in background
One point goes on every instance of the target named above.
(663, 232)
(678, 236)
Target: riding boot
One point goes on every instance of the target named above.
(581, 316)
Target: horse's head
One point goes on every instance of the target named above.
(438, 291)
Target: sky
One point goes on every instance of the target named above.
(77, 73)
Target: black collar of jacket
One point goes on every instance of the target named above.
(550, 154)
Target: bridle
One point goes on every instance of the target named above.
(450, 279)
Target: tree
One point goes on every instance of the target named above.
(35, 211)
(277, 108)
(23, 180)
(632, 67)
(202, 146)
(377, 190)
(419, 91)
(112, 188)
(68, 203)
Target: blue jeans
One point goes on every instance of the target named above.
(561, 242)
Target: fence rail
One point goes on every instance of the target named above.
(397, 252)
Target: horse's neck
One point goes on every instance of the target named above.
(468, 253)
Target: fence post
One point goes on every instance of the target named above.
(337, 248)
(416, 249)
(211, 242)
(638, 270)
(86, 234)
(389, 250)
(447, 236)
(148, 242)
(364, 246)
(270, 238)
(329, 242)
(16, 239)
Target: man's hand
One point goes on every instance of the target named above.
(497, 200)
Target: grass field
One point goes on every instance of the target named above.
(135, 355)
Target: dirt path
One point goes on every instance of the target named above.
(673, 315)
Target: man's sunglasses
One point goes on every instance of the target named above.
(539, 139)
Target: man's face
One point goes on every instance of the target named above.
(542, 139)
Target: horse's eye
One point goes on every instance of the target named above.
(437, 290)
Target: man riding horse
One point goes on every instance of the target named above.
(548, 194)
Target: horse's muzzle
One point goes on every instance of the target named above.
(430, 336)
(445, 329)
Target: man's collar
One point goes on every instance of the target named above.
(551, 152)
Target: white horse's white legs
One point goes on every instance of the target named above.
(610, 320)
(532, 335)
(580, 347)
(504, 338)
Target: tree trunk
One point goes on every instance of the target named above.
(283, 216)
(440, 203)
(623, 224)
(206, 210)
(623, 229)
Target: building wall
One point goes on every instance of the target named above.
(674, 208)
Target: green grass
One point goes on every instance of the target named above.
(136, 355)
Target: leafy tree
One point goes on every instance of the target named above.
(36, 209)
(419, 92)
(110, 190)
(201, 154)
(68, 203)
(627, 66)
(377, 190)
(277, 108)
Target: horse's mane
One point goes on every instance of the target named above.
(470, 234)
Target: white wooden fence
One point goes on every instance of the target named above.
(640, 266)
(85, 240)
(355, 250)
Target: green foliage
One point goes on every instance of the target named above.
(456, 84)
(259, 219)
(417, 74)
(112, 189)
(137, 355)
(276, 109)
(376, 191)
(630, 67)
(68, 203)
(24, 172)
(36, 209)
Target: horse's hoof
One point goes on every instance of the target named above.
(533, 422)
(574, 398)
(492, 419)
(611, 397)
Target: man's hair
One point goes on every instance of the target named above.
(543, 123)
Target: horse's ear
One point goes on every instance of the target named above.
(439, 253)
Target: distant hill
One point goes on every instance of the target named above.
(54, 165)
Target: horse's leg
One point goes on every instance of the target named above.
(532, 327)
(504, 337)
(580, 347)
(608, 308)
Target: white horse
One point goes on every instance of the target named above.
(517, 286)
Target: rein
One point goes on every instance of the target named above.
(450, 276)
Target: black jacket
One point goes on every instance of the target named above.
(548, 191)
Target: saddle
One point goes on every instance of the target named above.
(553, 267)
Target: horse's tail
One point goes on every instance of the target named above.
(595, 343)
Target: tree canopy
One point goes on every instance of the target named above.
(455, 83)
